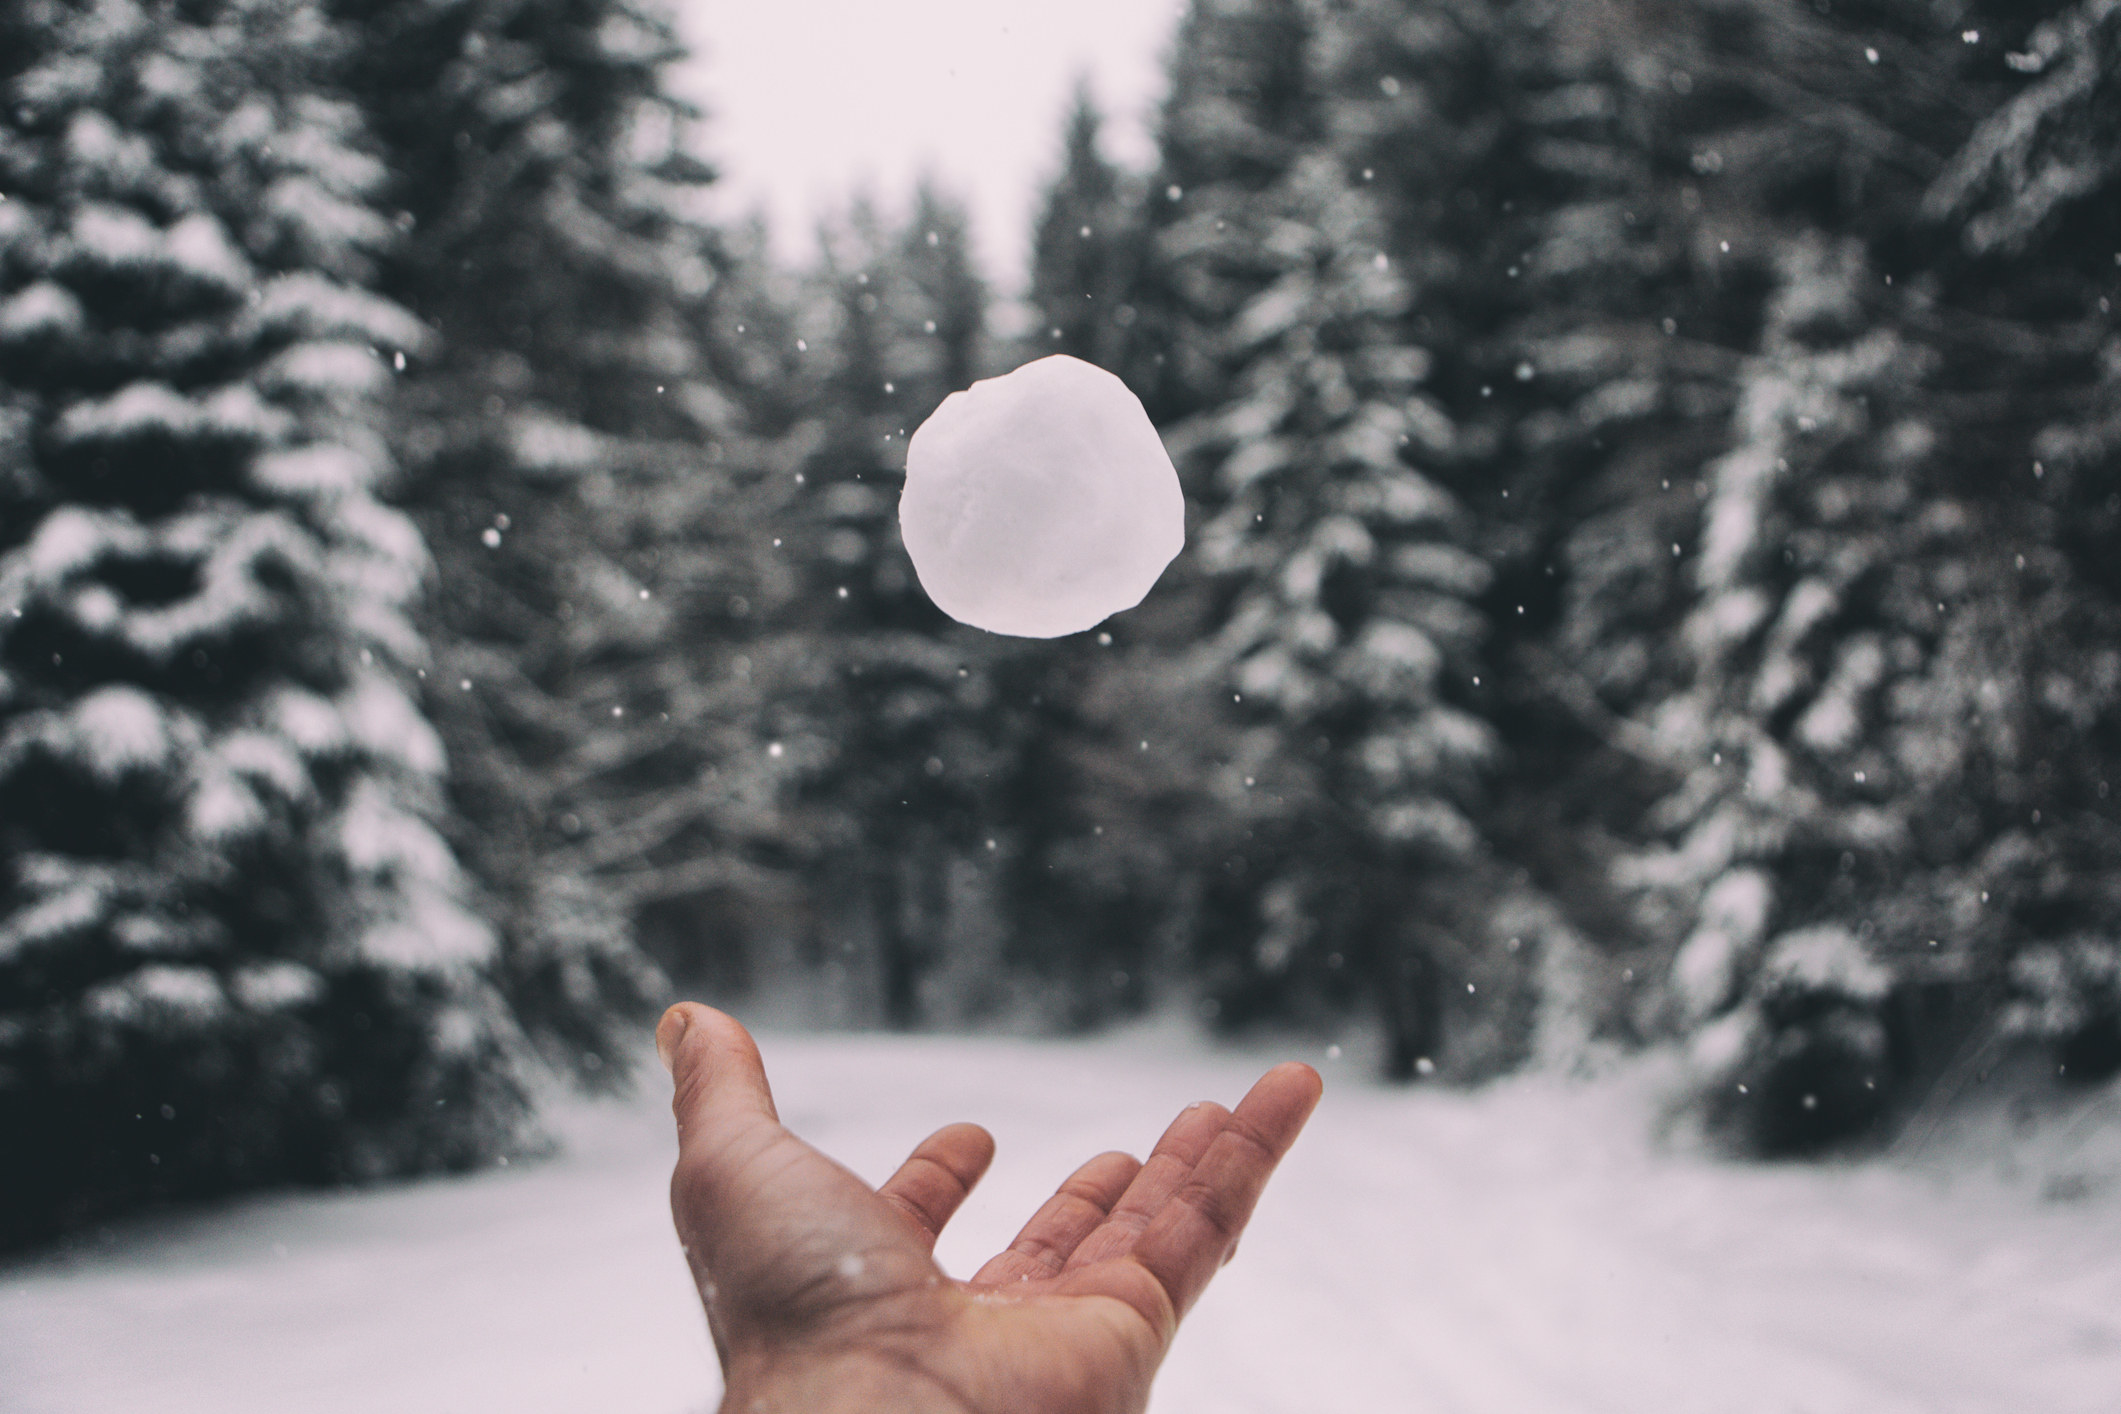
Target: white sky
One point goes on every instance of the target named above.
(810, 99)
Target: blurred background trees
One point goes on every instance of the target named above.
(1651, 474)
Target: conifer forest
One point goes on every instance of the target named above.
(1653, 571)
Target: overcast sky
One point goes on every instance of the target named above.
(812, 97)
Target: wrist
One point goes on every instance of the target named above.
(844, 1384)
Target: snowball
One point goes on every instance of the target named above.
(1040, 503)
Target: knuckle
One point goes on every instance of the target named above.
(1250, 1136)
(1037, 1249)
(913, 1208)
(1215, 1207)
(1085, 1191)
(947, 1173)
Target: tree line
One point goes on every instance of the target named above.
(1651, 496)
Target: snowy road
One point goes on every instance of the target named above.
(1523, 1250)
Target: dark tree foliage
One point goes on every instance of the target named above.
(572, 458)
(878, 713)
(233, 948)
(2035, 186)
(1094, 796)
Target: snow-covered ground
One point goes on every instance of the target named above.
(1531, 1247)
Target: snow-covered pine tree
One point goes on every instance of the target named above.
(1786, 790)
(577, 469)
(1348, 635)
(1510, 165)
(1889, 751)
(233, 948)
(1083, 234)
(1242, 106)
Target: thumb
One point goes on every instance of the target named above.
(720, 1081)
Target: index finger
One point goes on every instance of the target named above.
(1187, 1241)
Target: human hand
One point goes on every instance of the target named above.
(822, 1293)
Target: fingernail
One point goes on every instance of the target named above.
(668, 1032)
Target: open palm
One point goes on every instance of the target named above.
(822, 1292)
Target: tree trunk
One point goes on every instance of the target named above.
(1410, 996)
(899, 953)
